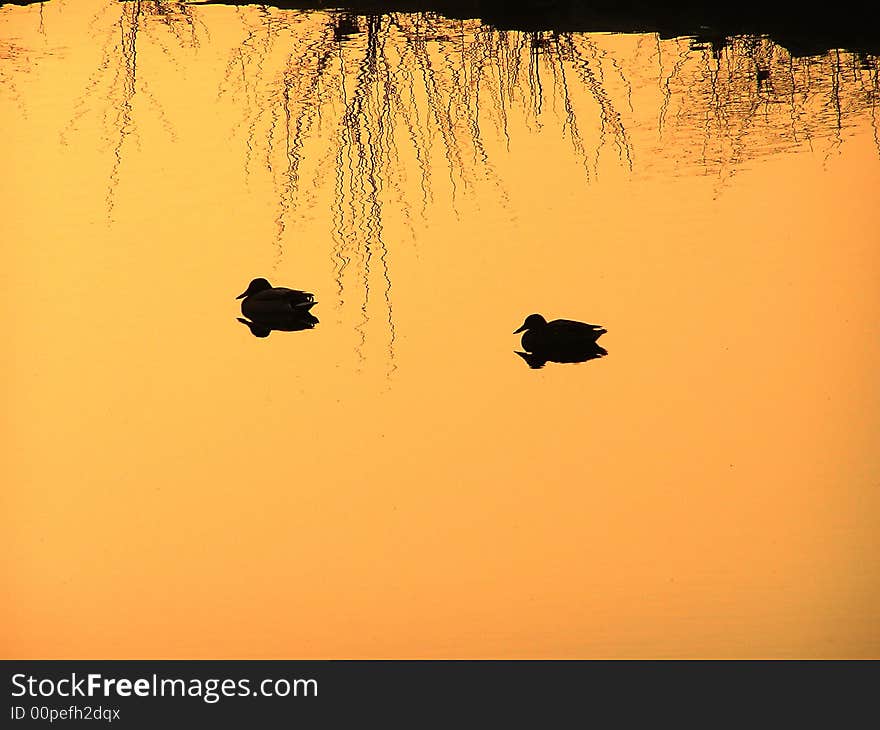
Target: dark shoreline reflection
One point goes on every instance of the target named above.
(540, 357)
(803, 31)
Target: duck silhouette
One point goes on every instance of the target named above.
(561, 340)
(261, 298)
(269, 308)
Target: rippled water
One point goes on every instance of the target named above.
(395, 481)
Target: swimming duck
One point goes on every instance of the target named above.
(262, 300)
(560, 335)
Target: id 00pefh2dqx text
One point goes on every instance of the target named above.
(52, 714)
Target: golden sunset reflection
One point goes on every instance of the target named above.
(396, 482)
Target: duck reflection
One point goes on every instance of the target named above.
(270, 308)
(262, 326)
(561, 340)
(540, 358)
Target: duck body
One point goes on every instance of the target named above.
(559, 334)
(262, 300)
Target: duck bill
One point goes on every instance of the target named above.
(242, 295)
(521, 329)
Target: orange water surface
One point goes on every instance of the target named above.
(397, 482)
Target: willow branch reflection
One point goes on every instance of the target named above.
(13, 59)
(752, 98)
(117, 79)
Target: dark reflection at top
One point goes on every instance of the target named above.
(801, 29)
(560, 340)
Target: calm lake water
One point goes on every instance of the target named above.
(397, 481)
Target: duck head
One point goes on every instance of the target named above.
(535, 362)
(256, 286)
(256, 329)
(533, 322)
